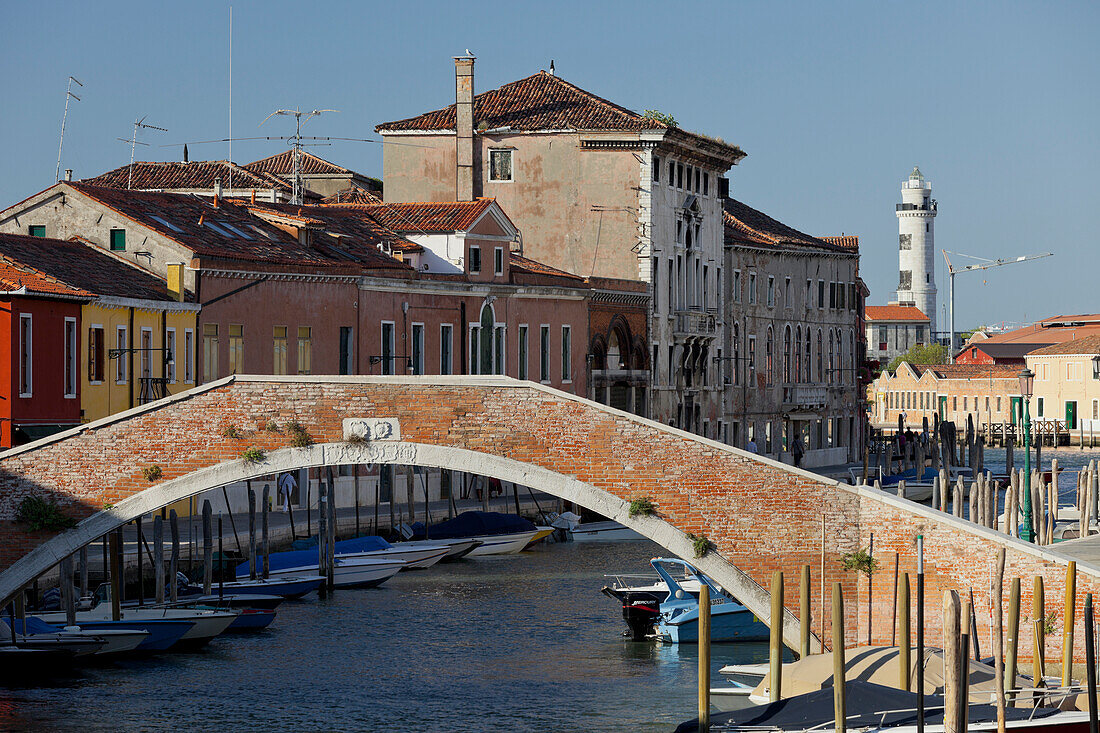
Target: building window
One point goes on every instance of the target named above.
(498, 349)
(96, 354)
(498, 260)
(446, 342)
(752, 288)
(521, 361)
(769, 357)
(736, 333)
(118, 240)
(1095, 409)
(188, 356)
(656, 169)
(37, 230)
(347, 350)
(236, 348)
(278, 349)
(736, 286)
(71, 366)
(751, 358)
(820, 361)
(679, 175)
(170, 355)
(25, 355)
(389, 347)
(305, 349)
(122, 341)
(418, 348)
(500, 165)
(820, 294)
(146, 352)
(475, 347)
(671, 173)
(544, 353)
(475, 259)
(706, 184)
(1038, 407)
(566, 354)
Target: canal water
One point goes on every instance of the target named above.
(513, 643)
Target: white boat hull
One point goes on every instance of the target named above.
(415, 558)
(603, 532)
(502, 544)
(352, 572)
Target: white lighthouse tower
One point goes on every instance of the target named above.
(916, 246)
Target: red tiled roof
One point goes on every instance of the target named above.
(17, 276)
(746, 225)
(1088, 345)
(353, 195)
(282, 164)
(183, 214)
(847, 241)
(538, 102)
(428, 217)
(969, 371)
(83, 267)
(193, 175)
(522, 264)
(894, 313)
(348, 230)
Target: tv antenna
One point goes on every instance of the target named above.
(296, 142)
(68, 94)
(134, 142)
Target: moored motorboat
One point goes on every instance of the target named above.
(205, 624)
(77, 643)
(289, 587)
(373, 547)
(641, 601)
(115, 641)
(457, 548)
(161, 634)
(679, 620)
(348, 572)
(607, 531)
(499, 534)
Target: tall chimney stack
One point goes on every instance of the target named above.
(464, 127)
(68, 174)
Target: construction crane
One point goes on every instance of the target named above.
(983, 263)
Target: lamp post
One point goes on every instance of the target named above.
(1027, 384)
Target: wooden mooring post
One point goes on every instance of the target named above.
(904, 681)
(1068, 618)
(1038, 614)
(116, 574)
(158, 558)
(1090, 660)
(65, 579)
(251, 532)
(174, 565)
(954, 654)
(775, 639)
(804, 613)
(1013, 636)
(207, 548)
(704, 658)
(265, 547)
(839, 678)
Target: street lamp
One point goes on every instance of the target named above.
(1027, 386)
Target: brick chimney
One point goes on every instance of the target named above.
(464, 127)
(68, 174)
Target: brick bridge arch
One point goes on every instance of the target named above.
(760, 515)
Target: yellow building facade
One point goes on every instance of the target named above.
(135, 351)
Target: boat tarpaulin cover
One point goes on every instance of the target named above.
(475, 524)
(366, 543)
(867, 704)
(34, 625)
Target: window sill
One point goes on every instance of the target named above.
(95, 382)
(25, 395)
(70, 396)
(123, 383)
(567, 381)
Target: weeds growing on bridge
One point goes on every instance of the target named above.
(231, 431)
(272, 427)
(253, 454)
(642, 506)
(299, 436)
(861, 561)
(39, 514)
(152, 473)
(700, 544)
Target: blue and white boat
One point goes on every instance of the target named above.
(679, 612)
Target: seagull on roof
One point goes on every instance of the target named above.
(468, 53)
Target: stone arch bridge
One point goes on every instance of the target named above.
(760, 515)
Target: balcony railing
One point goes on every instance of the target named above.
(152, 389)
(932, 206)
(696, 323)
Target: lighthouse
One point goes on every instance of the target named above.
(916, 244)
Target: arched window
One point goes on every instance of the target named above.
(614, 351)
(820, 359)
(787, 355)
(798, 354)
(736, 354)
(769, 354)
(832, 351)
(852, 353)
(806, 363)
(489, 336)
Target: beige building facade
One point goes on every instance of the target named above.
(1067, 383)
(989, 394)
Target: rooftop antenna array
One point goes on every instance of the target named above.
(296, 141)
(134, 142)
(68, 94)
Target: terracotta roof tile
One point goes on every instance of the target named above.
(847, 241)
(353, 195)
(538, 102)
(969, 371)
(429, 217)
(894, 313)
(282, 164)
(522, 264)
(15, 275)
(193, 175)
(84, 267)
(1088, 345)
(349, 230)
(746, 225)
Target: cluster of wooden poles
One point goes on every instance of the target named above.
(959, 631)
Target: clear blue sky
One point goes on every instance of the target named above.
(999, 104)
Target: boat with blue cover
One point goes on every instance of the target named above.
(679, 619)
(499, 534)
(163, 634)
(374, 547)
(287, 587)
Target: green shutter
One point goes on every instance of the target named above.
(118, 240)
(37, 230)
